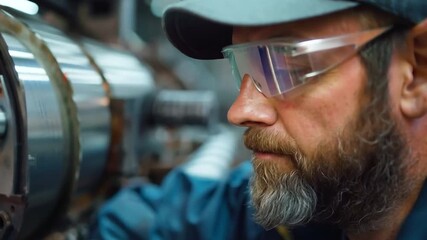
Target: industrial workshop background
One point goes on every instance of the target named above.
(93, 97)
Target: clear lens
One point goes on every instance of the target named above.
(276, 66)
(272, 72)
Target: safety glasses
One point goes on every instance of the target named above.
(277, 66)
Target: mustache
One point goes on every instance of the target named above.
(265, 141)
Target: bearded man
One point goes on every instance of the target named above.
(334, 98)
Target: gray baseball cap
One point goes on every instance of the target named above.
(201, 28)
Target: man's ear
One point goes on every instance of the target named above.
(414, 92)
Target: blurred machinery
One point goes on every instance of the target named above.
(74, 117)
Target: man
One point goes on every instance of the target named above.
(334, 98)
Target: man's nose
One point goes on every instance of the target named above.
(251, 108)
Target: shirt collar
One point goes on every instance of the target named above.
(414, 225)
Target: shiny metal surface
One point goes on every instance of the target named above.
(131, 85)
(3, 123)
(81, 106)
(65, 156)
(46, 135)
(91, 100)
(13, 148)
(127, 76)
(186, 107)
(50, 157)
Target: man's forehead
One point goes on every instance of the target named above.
(318, 27)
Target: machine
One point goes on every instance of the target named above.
(73, 116)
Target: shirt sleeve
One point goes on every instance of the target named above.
(185, 206)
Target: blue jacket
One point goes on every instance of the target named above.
(186, 206)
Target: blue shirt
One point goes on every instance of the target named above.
(186, 206)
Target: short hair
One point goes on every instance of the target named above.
(376, 55)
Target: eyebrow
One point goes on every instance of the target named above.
(288, 33)
(291, 33)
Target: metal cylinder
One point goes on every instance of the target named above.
(131, 86)
(185, 107)
(3, 123)
(59, 104)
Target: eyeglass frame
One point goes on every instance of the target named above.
(294, 49)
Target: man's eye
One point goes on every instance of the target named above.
(295, 74)
(299, 69)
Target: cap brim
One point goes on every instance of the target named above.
(201, 28)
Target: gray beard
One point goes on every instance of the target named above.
(288, 199)
(352, 182)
